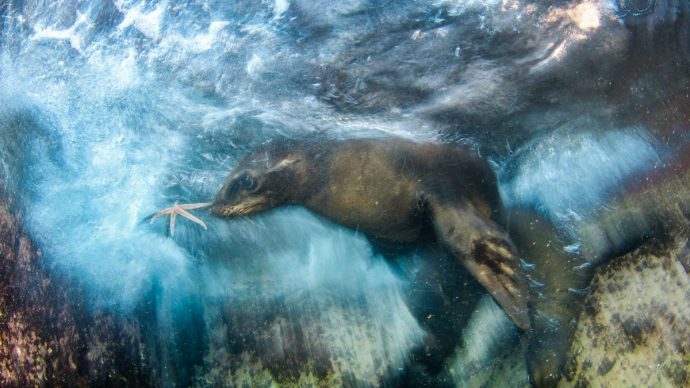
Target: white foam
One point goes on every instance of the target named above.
(73, 34)
(204, 42)
(280, 7)
(148, 23)
(567, 172)
(254, 66)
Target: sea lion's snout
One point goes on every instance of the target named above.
(241, 195)
(233, 199)
(221, 210)
(222, 204)
(247, 207)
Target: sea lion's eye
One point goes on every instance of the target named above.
(247, 183)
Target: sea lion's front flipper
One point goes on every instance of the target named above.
(487, 253)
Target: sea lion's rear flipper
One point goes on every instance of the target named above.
(487, 253)
(560, 279)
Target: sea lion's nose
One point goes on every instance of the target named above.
(223, 195)
(216, 210)
(218, 204)
(219, 209)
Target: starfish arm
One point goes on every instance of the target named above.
(173, 217)
(160, 213)
(192, 206)
(191, 217)
(176, 209)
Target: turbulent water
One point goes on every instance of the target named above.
(111, 110)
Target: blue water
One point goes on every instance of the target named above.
(111, 110)
(139, 105)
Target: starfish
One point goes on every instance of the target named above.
(181, 209)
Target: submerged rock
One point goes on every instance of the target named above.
(634, 330)
(39, 338)
(47, 337)
(635, 325)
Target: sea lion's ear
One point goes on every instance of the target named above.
(285, 163)
(487, 253)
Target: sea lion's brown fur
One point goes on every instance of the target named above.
(390, 189)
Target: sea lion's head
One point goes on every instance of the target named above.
(268, 177)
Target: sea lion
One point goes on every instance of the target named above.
(395, 189)
(391, 189)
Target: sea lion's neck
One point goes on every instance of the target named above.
(312, 175)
